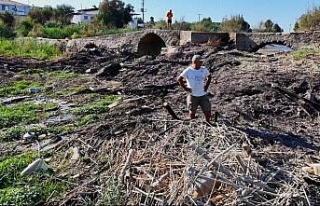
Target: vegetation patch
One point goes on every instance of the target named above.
(303, 53)
(16, 132)
(25, 190)
(29, 48)
(23, 113)
(18, 87)
(96, 108)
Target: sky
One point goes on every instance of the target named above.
(283, 12)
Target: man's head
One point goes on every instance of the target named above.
(197, 61)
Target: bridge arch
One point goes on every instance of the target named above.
(150, 44)
(263, 44)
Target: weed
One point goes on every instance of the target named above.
(16, 132)
(111, 196)
(98, 107)
(303, 53)
(87, 119)
(23, 113)
(10, 168)
(18, 87)
(29, 48)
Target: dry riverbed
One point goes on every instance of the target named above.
(96, 119)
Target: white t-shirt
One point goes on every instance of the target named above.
(196, 80)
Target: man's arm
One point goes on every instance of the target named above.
(207, 82)
(180, 79)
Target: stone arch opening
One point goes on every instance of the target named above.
(150, 44)
(263, 44)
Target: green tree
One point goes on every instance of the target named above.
(114, 13)
(25, 27)
(309, 21)
(296, 27)
(235, 24)
(63, 14)
(7, 19)
(277, 28)
(268, 26)
(35, 15)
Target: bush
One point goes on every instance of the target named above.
(28, 48)
(6, 32)
(25, 27)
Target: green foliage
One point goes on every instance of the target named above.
(10, 168)
(303, 53)
(99, 107)
(6, 31)
(27, 190)
(235, 24)
(61, 14)
(162, 24)
(112, 195)
(16, 132)
(114, 13)
(22, 113)
(181, 25)
(87, 119)
(28, 48)
(7, 19)
(30, 195)
(62, 75)
(17, 87)
(309, 21)
(25, 27)
(268, 26)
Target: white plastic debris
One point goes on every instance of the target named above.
(36, 166)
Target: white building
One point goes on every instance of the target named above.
(84, 15)
(15, 8)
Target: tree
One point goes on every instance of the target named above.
(114, 13)
(268, 26)
(296, 27)
(309, 21)
(235, 24)
(277, 28)
(7, 19)
(63, 14)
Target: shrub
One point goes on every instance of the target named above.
(6, 32)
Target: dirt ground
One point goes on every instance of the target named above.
(136, 153)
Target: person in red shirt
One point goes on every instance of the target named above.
(169, 19)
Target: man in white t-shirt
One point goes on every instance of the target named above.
(198, 80)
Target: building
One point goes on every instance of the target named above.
(85, 15)
(15, 8)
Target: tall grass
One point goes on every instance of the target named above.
(28, 48)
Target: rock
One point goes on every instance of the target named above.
(29, 136)
(313, 169)
(36, 166)
(91, 71)
(33, 90)
(76, 154)
(109, 70)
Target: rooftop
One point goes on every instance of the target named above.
(9, 2)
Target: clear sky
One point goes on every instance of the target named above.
(283, 12)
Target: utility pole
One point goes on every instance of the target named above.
(199, 16)
(142, 10)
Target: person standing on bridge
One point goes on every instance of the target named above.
(169, 19)
(198, 79)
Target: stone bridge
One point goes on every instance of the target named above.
(151, 41)
(255, 41)
(141, 42)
